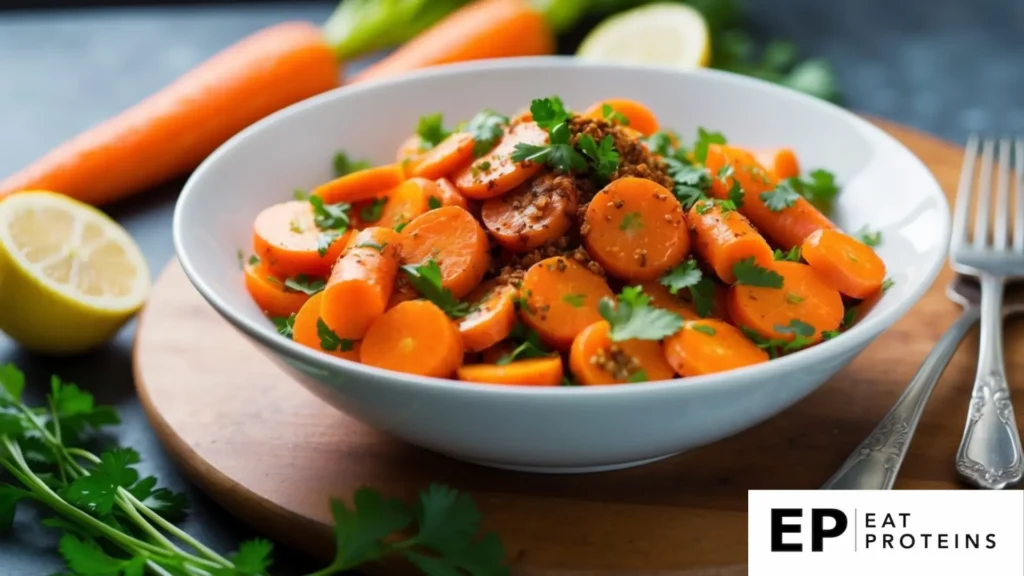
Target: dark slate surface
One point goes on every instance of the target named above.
(944, 66)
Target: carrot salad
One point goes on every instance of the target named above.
(561, 248)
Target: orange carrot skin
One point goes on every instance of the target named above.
(286, 239)
(724, 238)
(172, 131)
(269, 293)
(448, 195)
(491, 320)
(406, 201)
(780, 162)
(693, 352)
(662, 298)
(361, 282)
(594, 341)
(640, 117)
(848, 265)
(305, 331)
(788, 227)
(532, 372)
(479, 30)
(449, 155)
(361, 185)
(494, 173)
(546, 309)
(538, 212)
(415, 337)
(455, 240)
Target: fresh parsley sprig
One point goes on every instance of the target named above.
(343, 165)
(426, 279)
(819, 188)
(688, 276)
(530, 346)
(486, 128)
(631, 316)
(749, 273)
(431, 131)
(781, 197)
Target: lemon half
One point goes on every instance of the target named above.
(70, 276)
(673, 35)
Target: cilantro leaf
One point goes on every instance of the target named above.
(173, 506)
(638, 376)
(612, 115)
(96, 491)
(690, 182)
(704, 329)
(306, 284)
(486, 128)
(782, 197)
(868, 237)
(604, 158)
(548, 112)
(797, 328)
(430, 129)
(426, 279)
(359, 531)
(705, 139)
(661, 143)
(886, 284)
(330, 216)
(447, 520)
(85, 557)
(329, 341)
(373, 211)
(631, 221)
(829, 334)
(819, 189)
(632, 317)
(530, 346)
(750, 274)
(682, 276)
(254, 260)
(703, 295)
(343, 165)
(736, 194)
(373, 246)
(433, 203)
(325, 240)
(559, 154)
(285, 326)
(12, 383)
(9, 498)
(792, 255)
(849, 317)
(253, 557)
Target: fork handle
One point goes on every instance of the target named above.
(990, 453)
(875, 463)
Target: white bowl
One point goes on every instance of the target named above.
(558, 429)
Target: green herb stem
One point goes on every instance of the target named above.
(175, 531)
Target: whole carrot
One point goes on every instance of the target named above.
(171, 132)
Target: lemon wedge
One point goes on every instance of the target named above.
(672, 35)
(70, 276)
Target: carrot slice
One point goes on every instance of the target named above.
(495, 173)
(409, 149)
(536, 213)
(638, 116)
(361, 185)
(780, 162)
(595, 360)
(406, 201)
(533, 372)
(845, 263)
(787, 227)
(805, 300)
(452, 237)
(287, 239)
(415, 337)
(560, 299)
(724, 238)
(710, 346)
(361, 283)
(451, 154)
(492, 318)
(306, 330)
(634, 228)
(661, 297)
(269, 293)
(447, 195)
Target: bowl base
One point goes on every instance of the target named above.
(568, 469)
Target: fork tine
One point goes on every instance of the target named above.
(1018, 186)
(963, 192)
(1003, 206)
(981, 215)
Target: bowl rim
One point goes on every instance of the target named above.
(859, 334)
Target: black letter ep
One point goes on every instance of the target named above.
(818, 532)
(779, 528)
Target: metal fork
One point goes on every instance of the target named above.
(990, 454)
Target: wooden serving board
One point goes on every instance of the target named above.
(272, 453)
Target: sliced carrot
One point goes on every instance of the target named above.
(361, 282)
(306, 330)
(448, 195)
(532, 372)
(269, 293)
(492, 318)
(406, 202)
(787, 227)
(638, 116)
(595, 360)
(287, 239)
(724, 238)
(560, 299)
(415, 337)
(455, 240)
(845, 263)
(451, 154)
(172, 131)
(361, 185)
(495, 173)
(538, 212)
(805, 299)
(634, 228)
(661, 297)
(780, 162)
(409, 149)
(710, 346)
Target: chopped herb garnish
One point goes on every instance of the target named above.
(631, 221)
(868, 237)
(433, 203)
(575, 300)
(343, 165)
(612, 115)
(426, 279)
(604, 159)
(736, 194)
(749, 273)
(431, 130)
(684, 275)
(300, 194)
(704, 139)
(792, 255)
(782, 197)
(548, 112)
(254, 260)
(703, 295)
(829, 334)
(632, 317)
(638, 376)
(329, 341)
(486, 128)
(819, 189)
(401, 225)
(794, 298)
(241, 259)
(284, 325)
(325, 239)
(887, 284)
(373, 211)
(372, 246)
(330, 216)
(705, 207)
(690, 182)
(797, 328)
(661, 143)
(558, 155)
(725, 205)
(568, 381)
(304, 283)
(704, 329)
(484, 166)
(849, 317)
(529, 346)
(295, 227)
(725, 172)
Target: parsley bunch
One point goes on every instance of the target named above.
(115, 521)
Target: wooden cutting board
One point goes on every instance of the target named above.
(272, 453)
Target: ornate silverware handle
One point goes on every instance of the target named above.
(990, 453)
(875, 463)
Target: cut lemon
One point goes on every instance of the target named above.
(673, 35)
(70, 276)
